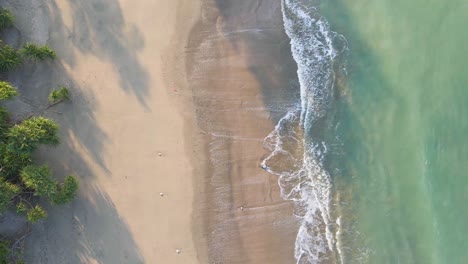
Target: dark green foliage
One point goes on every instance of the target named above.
(8, 191)
(9, 58)
(66, 191)
(25, 137)
(19, 141)
(18, 175)
(6, 18)
(7, 91)
(35, 52)
(4, 252)
(4, 118)
(12, 163)
(35, 214)
(59, 95)
(38, 178)
(19, 178)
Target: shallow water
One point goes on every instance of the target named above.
(381, 175)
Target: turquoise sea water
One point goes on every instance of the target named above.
(404, 128)
(378, 148)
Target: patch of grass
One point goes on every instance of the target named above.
(7, 91)
(4, 252)
(21, 208)
(35, 214)
(6, 18)
(59, 95)
(35, 52)
(9, 58)
(66, 191)
(7, 192)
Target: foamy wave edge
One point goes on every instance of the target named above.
(309, 185)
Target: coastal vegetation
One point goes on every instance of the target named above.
(25, 185)
(35, 52)
(9, 58)
(6, 18)
(7, 91)
(60, 95)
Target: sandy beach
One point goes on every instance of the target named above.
(123, 133)
(170, 97)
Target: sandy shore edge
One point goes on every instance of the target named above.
(240, 70)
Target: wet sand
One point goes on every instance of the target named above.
(242, 77)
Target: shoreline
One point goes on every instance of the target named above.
(240, 72)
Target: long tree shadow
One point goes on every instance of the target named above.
(89, 230)
(98, 28)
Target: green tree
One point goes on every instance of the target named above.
(25, 137)
(7, 91)
(8, 191)
(38, 178)
(35, 214)
(6, 18)
(9, 58)
(66, 192)
(59, 95)
(35, 52)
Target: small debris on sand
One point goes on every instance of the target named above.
(161, 194)
(160, 154)
(178, 251)
(242, 208)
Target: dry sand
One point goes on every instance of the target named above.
(171, 96)
(122, 115)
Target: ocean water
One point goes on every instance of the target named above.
(375, 153)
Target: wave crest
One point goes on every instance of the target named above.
(297, 147)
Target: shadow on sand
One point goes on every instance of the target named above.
(89, 230)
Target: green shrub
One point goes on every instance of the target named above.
(59, 95)
(25, 137)
(35, 214)
(38, 178)
(4, 252)
(4, 123)
(21, 208)
(66, 191)
(12, 163)
(9, 58)
(7, 192)
(7, 91)
(6, 18)
(35, 52)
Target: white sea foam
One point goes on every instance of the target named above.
(293, 141)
